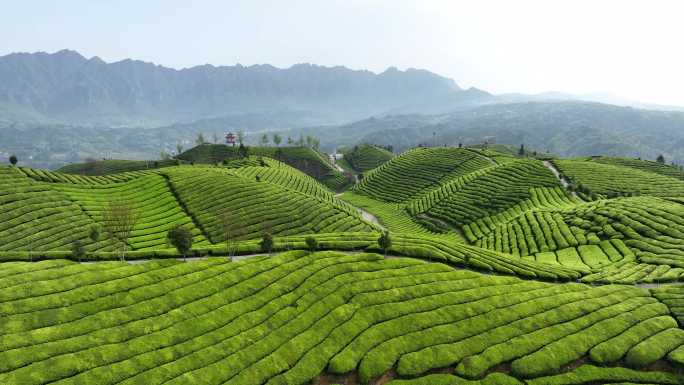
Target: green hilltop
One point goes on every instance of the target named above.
(306, 159)
(441, 265)
(366, 157)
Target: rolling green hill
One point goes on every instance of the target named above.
(608, 180)
(113, 166)
(288, 318)
(36, 200)
(496, 272)
(258, 206)
(418, 170)
(645, 165)
(305, 159)
(37, 217)
(496, 190)
(152, 197)
(366, 157)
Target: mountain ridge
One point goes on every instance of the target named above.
(66, 87)
(566, 128)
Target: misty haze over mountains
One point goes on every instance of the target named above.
(65, 87)
(61, 107)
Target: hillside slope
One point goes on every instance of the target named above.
(296, 316)
(418, 170)
(608, 180)
(36, 217)
(493, 272)
(366, 157)
(48, 211)
(113, 166)
(305, 159)
(256, 207)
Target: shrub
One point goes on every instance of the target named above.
(385, 241)
(311, 243)
(180, 237)
(266, 243)
(94, 233)
(77, 250)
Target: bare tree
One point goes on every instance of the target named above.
(119, 217)
(231, 230)
(267, 242)
(200, 139)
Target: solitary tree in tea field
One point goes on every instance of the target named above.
(120, 217)
(180, 237)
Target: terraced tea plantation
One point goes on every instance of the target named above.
(288, 318)
(305, 159)
(609, 180)
(425, 167)
(440, 266)
(106, 167)
(366, 157)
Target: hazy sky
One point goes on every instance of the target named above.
(634, 49)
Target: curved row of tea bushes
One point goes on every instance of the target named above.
(605, 256)
(497, 190)
(215, 306)
(416, 171)
(585, 374)
(366, 157)
(537, 339)
(285, 319)
(631, 272)
(499, 154)
(114, 166)
(289, 177)
(673, 297)
(286, 176)
(60, 177)
(443, 248)
(609, 180)
(477, 258)
(36, 217)
(643, 165)
(153, 201)
(305, 159)
(257, 207)
(427, 199)
(541, 198)
(532, 232)
(217, 153)
(279, 173)
(438, 249)
(392, 216)
(651, 227)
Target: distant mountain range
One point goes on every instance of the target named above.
(62, 107)
(67, 88)
(567, 128)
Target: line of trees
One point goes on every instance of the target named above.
(277, 139)
(265, 140)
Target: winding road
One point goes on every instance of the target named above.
(556, 172)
